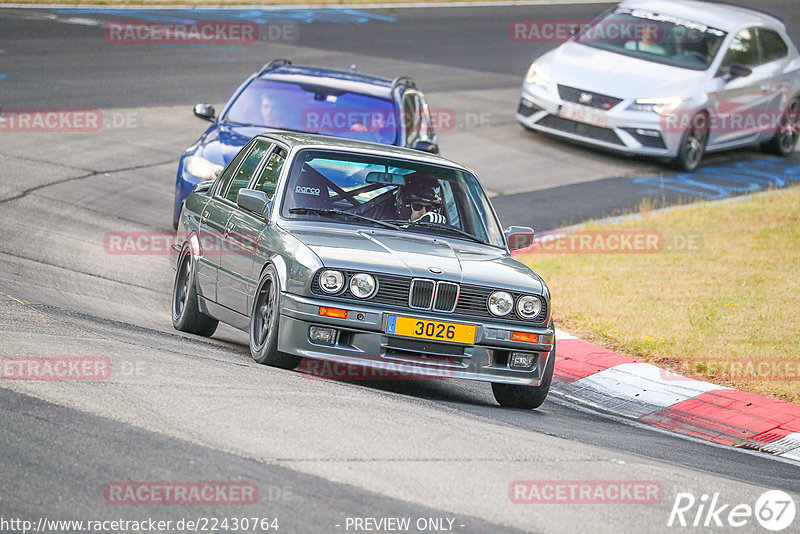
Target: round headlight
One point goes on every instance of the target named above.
(331, 281)
(500, 303)
(363, 285)
(529, 307)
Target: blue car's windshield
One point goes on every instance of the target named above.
(656, 37)
(290, 106)
(411, 196)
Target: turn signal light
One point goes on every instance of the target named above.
(525, 337)
(332, 312)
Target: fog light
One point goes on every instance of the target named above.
(322, 335)
(648, 133)
(522, 360)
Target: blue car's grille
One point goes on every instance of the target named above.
(469, 300)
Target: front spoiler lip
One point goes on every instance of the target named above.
(422, 371)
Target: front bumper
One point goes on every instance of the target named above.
(361, 341)
(620, 130)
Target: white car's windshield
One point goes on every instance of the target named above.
(656, 37)
(390, 192)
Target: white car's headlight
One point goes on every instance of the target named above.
(529, 306)
(501, 303)
(331, 281)
(536, 76)
(662, 106)
(201, 167)
(363, 285)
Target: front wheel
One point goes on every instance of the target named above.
(526, 397)
(693, 144)
(785, 140)
(186, 314)
(264, 322)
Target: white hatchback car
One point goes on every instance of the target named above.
(670, 79)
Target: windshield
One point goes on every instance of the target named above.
(373, 190)
(654, 37)
(315, 109)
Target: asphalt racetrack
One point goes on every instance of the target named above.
(326, 455)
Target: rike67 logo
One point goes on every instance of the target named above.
(774, 510)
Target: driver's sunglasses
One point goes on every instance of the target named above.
(419, 206)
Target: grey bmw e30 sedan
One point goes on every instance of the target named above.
(366, 255)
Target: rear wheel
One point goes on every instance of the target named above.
(693, 144)
(186, 314)
(264, 322)
(785, 140)
(526, 397)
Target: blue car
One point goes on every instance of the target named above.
(282, 96)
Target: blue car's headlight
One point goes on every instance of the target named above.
(202, 168)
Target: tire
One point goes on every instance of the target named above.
(186, 315)
(785, 140)
(526, 397)
(693, 144)
(264, 323)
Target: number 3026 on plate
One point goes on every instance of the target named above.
(433, 330)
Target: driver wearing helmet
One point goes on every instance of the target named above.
(420, 199)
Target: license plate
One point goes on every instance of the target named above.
(583, 114)
(433, 330)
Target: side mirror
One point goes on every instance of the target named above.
(255, 202)
(519, 237)
(738, 71)
(204, 111)
(425, 146)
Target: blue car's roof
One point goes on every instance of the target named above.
(353, 82)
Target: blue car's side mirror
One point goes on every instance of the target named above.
(205, 111)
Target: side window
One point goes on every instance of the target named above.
(743, 50)
(241, 178)
(227, 173)
(411, 117)
(772, 45)
(272, 170)
(425, 126)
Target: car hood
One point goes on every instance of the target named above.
(612, 74)
(222, 141)
(407, 253)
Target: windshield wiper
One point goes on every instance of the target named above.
(340, 213)
(453, 229)
(272, 127)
